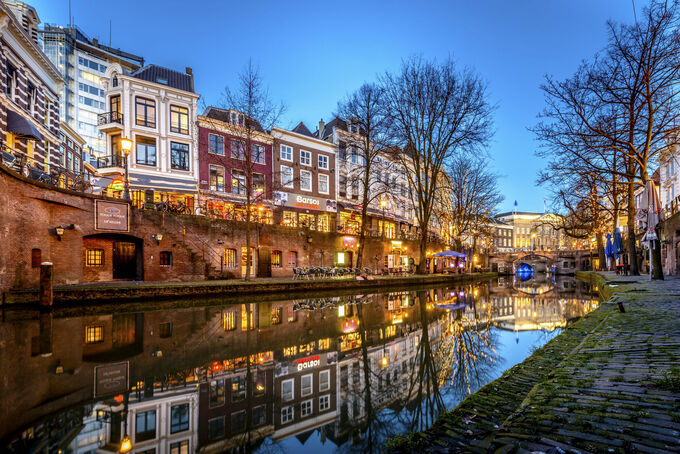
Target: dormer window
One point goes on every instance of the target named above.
(236, 119)
(161, 80)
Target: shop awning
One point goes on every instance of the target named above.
(18, 125)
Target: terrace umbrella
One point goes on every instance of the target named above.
(617, 242)
(652, 204)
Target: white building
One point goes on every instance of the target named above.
(669, 188)
(156, 108)
(82, 62)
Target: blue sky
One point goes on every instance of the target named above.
(312, 54)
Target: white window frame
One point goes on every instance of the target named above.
(287, 411)
(326, 161)
(327, 373)
(288, 184)
(292, 387)
(311, 385)
(309, 402)
(311, 184)
(328, 183)
(308, 158)
(281, 153)
(326, 398)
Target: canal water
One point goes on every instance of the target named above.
(312, 374)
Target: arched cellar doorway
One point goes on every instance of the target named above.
(112, 256)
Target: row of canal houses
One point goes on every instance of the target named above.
(181, 159)
(197, 163)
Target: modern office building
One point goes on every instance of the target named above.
(82, 62)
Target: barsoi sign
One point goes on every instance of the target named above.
(111, 216)
(308, 363)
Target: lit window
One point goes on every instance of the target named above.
(230, 258)
(229, 320)
(179, 119)
(145, 112)
(292, 259)
(276, 259)
(238, 388)
(181, 447)
(94, 257)
(216, 392)
(277, 316)
(94, 334)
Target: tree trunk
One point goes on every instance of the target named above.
(362, 238)
(600, 251)
(632, 253)
(657, 270)
(423, 253)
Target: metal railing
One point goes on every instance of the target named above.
(109, 161)
(109, 117)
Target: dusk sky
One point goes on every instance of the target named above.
(312, 54)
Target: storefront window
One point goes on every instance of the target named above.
(307, 221)
(350, 223)
(323, 224)
(290, 219)
(389, 229)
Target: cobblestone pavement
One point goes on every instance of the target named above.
(609, 383)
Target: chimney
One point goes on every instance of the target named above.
(189, 71)
(95, 42)
(322, 127)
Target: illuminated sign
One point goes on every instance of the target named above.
(349, 325)
(303, 201)
(308, 363)
(348, 242)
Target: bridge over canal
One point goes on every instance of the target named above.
(561, 262)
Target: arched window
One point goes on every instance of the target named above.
(114, 81)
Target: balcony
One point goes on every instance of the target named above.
(110, 121)
(109, 164)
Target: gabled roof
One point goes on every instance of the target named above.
(302, 129)
(165, 76)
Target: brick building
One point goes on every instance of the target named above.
(304, 178)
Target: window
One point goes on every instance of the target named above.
(30, 97)
(229, 320)
(286, 153)
(259, 415)
(181, 447)
(94, 334)
(306, 408)
(355, 156)
(307, 384)
(179, 119)
(286, 414)
(145, 426)
(179, 156)
(355, 189)
(323, 162)
(238, 421)
(259, 182)
(165, 330)
(230, 258)
(216, 178)
(236, 119)
(290, 219)
(324, 402)
(324, 380)
(342, 189)
(48, 107)
(286, 177)
(277, 316)
(257, 154)
(94, 257)
(342, 150)
(11, 72)
(277, 259)
(217, 393)
(238, 182)
(145, 112)
(179, 418)
(238, 388)
(305, 158)
(305, 180)
(287, 390)
(292, 259)
(323, 184)
(216, 144)
(237, 149)
(146, 151)
(216, 428)
(166, 258)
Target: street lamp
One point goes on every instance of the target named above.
(383, 204)
(126, 148)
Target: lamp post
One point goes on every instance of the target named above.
(383, 204)
(126, 148)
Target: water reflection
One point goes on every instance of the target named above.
(335, 373)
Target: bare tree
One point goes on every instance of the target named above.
(435, 113)
(472, 199)
(621, 107)
(364, 110)
(255, 113)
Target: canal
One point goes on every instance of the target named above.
(312, 374)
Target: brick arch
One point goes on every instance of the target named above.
(109, 245)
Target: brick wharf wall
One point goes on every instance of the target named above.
(30, 212)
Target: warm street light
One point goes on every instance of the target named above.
(126, 148)
(125, 444)
(383, 204)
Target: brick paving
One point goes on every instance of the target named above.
(609, 383)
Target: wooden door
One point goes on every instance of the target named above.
(124, 260)
(264, 262)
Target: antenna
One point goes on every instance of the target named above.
(634, 12)
(70, 22)
(109, 32)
